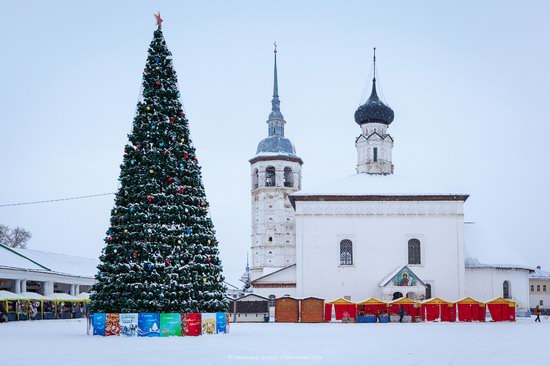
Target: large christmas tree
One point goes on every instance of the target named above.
(161, 253)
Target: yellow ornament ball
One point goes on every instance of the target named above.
(204, 280)
(209, 241)
(148, 108)
(179, 241)
(125, 230)
(151, 171)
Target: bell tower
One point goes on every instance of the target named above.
(276, 172)
(374, 145)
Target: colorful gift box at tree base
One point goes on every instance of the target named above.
(129, 325)
(98, 323)
(148, 325)
(170, 325)
(191, 324)
(208, 321)
(112, 325)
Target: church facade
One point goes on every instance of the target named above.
(371, 234)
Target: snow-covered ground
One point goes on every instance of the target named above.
(64, 342)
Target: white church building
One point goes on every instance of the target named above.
(371, 234)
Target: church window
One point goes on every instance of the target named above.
(411, 295)
(532, 288)
(538, 288)
(375, 154)
(506, 293)
(288, 178)
(428, 291)
(270, 239)
(541, 303)
(544, 288)
(414, 251)
(346, 252)
(397, 295)
(270, 177)
(255, 179)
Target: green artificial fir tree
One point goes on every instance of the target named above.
(161, 253)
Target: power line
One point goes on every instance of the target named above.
(54, 200)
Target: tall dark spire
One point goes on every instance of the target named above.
(373, 92)
(275, 102)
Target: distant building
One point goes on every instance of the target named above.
(23, 270)
(539, 289)
(251, 309)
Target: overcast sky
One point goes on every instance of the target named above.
(469, 84)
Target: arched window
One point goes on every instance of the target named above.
(346, 252)
(397, 295)
(411, 295)
(414, 251)
(270, 177)
(506, 290)
(289, 179)
(255, 179)
(428, 291)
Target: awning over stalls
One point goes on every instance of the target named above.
(470, 309)
(436, 308)
(83, 296)
(410, 307)
(502, 309)
(7, 295)
(62, 297)
(372, 306)
(342, 308)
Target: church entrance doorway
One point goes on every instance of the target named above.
(397, 295)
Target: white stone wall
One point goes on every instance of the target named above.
(365, 145)
(273, 217)
(277, 291)
(380, 232)
(487, 283)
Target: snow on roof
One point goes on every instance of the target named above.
(9, 257)
(35, 260)
(482, 250)
(6, 295)
(540, 274)
(376, 184)
(61, 296)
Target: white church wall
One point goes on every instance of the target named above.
(275, 291)
(487, 283)
(380, 232)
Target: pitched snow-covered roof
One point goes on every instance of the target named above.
(540, 274)
(282, 275)
(62, 263)
(10, 258)
(376, 184)
(36, 260)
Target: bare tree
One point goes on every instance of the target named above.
(5, 235)
(20, 237)
(15, 238)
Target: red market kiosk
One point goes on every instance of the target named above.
(502, 310)
(470, 309)
(437, 308)
(411, 307)
(342, 308)
(372, 306)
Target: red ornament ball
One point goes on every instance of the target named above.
(169, 179)
(134, 255)
(181, 114)
(157, 83)
(172, 119)
(208, 260)
(168, 261)
(149, 199)
(181, 190)
(185, 156)
(164, 153)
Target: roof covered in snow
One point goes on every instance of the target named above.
(29, 259)
(540, 274)
(377, 184)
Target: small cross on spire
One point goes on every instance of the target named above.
(374, 63)
(159, 20)
(275, 44)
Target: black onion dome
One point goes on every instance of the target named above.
(374, 110)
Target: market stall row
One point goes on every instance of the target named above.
(34, 306)
(371, 310)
